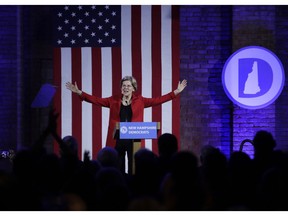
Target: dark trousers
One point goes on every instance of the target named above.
(123, 146)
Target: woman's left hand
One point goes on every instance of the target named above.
(181, 86)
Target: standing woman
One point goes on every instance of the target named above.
(125, 107)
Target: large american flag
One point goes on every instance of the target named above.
(96, 46)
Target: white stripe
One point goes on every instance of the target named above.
(126, 49)
(86, 107)
(66, 95)
(166, 59)
(126, 40)
(146, 63)
(106, 89)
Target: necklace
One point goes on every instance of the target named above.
(126, 102)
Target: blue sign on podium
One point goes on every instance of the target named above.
(138, 130)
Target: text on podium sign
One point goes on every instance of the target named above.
(138, 130)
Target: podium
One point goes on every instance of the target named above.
(136, 131)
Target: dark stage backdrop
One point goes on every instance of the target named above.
(208, 35)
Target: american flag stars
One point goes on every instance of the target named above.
(88, 26)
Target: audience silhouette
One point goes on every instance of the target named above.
(172, 180)
(167, 147)
(241, 182)
(181, 189)
(213, 174)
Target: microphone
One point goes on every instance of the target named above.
(126, 102)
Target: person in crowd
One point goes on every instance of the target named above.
(167, 147)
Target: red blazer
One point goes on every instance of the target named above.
(138, 104)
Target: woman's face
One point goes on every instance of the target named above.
(127, 88)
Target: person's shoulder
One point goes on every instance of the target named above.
(116, 96)
(137, 95)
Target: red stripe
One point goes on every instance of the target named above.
(156, 66)
(136, 46)
(76, 103)
(96, 110)
(175, 70)
(116, 70)
(57, 97)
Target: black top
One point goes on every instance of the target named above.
(125, 113)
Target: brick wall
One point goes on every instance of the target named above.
(36, 67)
(209, 35)
(253, 25)
(25, 64)
(281, 50)
(206, 39)
(8, 76)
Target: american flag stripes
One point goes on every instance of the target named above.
(96, 46)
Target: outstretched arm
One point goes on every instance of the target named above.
(105, 102)
(181, 86)
(73, 88)
(148, 102)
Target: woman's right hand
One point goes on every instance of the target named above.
(73, 88)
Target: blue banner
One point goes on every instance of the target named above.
(138, 130)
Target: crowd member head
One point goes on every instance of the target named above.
(167, 145)
(206, 151)
(71, 146)
(263, 142)
(108, 157)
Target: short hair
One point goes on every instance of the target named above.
(71, 144)
(131, 79)
(167, 144)
(108, 157)
(264, 140)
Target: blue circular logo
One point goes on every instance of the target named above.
(253, 77)
(123, 129)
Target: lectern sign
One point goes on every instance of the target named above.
(253, 77)
(138, 130)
